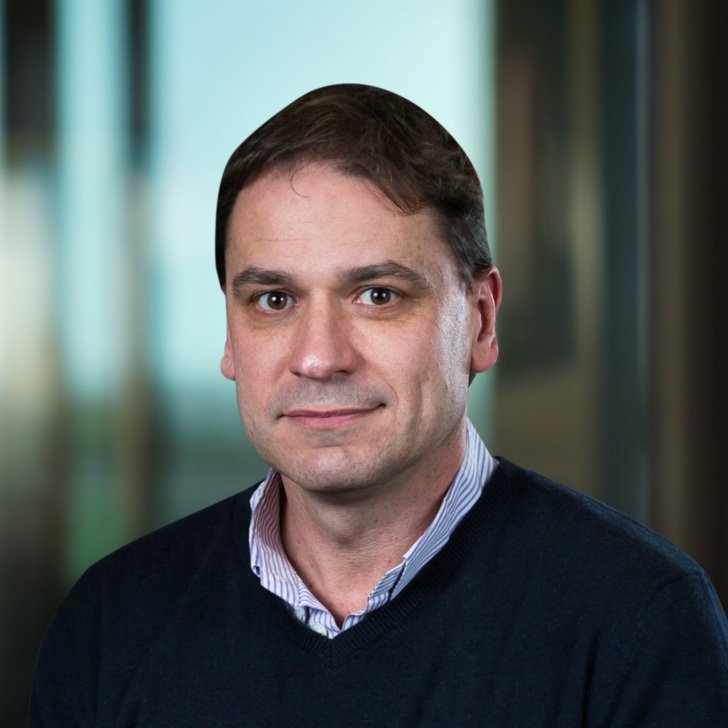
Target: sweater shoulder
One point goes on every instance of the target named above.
(125, 604)
(167, 558)
(581, 530)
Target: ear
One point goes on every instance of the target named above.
(486, 300)
(227, 363)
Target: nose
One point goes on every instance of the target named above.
(322, 347)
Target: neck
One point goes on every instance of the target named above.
(341, 547)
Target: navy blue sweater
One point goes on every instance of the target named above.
(546, 608)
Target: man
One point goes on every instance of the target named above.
(388, 571)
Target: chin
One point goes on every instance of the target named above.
(332, 473)
(324, 480)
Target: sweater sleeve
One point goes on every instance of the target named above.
(677, 671)
(65, 683)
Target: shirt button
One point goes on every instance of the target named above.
(319, 628)
(300, 614)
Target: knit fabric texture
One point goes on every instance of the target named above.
(546, 608)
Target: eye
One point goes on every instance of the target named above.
(274, 301)
(378, 296)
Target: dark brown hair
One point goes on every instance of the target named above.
(380, 137)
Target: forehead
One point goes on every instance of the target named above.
(317, 217)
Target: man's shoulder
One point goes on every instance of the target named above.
(167, 557)
(152, 591)
(582, 532)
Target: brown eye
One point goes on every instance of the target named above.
(274, 301)
(378, 296)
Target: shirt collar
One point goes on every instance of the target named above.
(269, 562)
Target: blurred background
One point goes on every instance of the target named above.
(595, 126)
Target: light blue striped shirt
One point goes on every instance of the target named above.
(270, 563)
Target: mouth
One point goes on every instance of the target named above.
(327, 419)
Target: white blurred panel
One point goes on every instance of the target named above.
(92, 259)
(92, 194)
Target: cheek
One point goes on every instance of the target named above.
(258, 354)
(255, 368)
(448, 360)
(426, 357)
(455, 327)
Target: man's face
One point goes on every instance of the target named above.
(350, 336)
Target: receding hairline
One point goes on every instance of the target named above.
(290, 168)
(406, 200)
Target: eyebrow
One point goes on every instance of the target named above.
(389, 269)
(259, 276)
